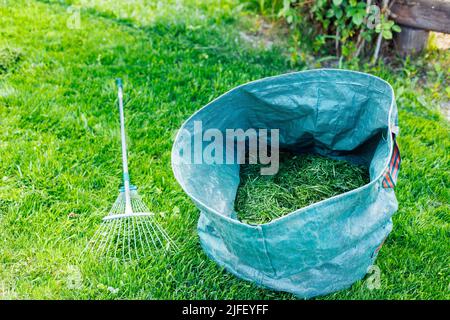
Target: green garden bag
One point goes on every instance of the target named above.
(328, 245)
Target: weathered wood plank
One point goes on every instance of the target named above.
(410, 40)
(432, 15)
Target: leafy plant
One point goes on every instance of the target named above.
(266, 7)
(385, 27)
(344, 28)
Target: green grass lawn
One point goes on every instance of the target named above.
(60, 163)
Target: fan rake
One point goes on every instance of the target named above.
(130, 231)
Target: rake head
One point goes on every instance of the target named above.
(130, 235)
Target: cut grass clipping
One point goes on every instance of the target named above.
(300, 181)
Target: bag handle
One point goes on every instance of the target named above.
(390, 177)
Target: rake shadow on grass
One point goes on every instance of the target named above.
(301, 181)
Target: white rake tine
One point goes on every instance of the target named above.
(160, 229)
(152, 223)
(166, 236)
(110, 237)
(110, 231)
(98, 246)
(117, 225)
(150, 233)
(155, 227)
(99, 238)
(137, 221)
(131, 237)
(124, 222)
(106, 232)
(118, 237)
(140, 235)
(121, 206)
(93, 242)
(116, 205)
(128, 238)
(156, 234)
(122, 240)
(147, 248)
(134, 236)
(138, 224)
(146, 223)
(143, 232)
(97, 234)
(101, 247)
(136, 227)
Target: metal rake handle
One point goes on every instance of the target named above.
(126, 176)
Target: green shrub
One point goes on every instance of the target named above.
(344, 28)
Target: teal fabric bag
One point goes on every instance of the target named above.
(328, 245)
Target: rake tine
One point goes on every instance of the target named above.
(128, 249)
(137, 203)
(138, 238)
(131, 235)
(148, 241)
(158, 227)
(166, 236)
(125, 238)
(92, 244)
(118, 237)
(145, 235)
(110, 235)
(157, 237)
(134, 237)
(129, 240)
(138, 223)
(124, 223)
(103, 239)
(99, 238)
(151, 234)
(101, 246)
